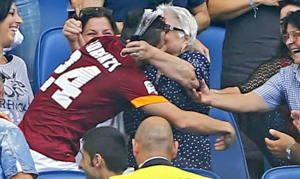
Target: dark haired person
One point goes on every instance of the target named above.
(96, 83)
(282, 88)
(104, 153)
(91, 22)
(16, 161)
(278, 119)
(154, 147)
(17, 90)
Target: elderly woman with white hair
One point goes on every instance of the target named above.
(179, 37)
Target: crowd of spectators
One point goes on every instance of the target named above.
(148, 62)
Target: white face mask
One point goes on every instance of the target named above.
(17, 41)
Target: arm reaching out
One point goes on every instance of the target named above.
(194, 122)
(173, 67)
(249, 102)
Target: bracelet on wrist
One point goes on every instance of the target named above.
(289, 151)
(254, 8)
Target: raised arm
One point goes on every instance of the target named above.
(172, 66)
(229, 9)
(248, 102)
(72, 31)
(194, 122)
(202, 16)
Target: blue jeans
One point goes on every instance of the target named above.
(14, 151)
(30, 12)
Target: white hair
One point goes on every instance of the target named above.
(186, 19)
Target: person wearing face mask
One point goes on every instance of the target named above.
(16, 161)
(281, 88)
(194, 150)
(17, 90)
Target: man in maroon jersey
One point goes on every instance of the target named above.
(95, 84)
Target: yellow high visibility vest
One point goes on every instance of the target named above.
(159, 172)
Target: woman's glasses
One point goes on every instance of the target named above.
(168, 28)
(293, 35)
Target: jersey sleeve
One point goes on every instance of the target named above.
(138, 90)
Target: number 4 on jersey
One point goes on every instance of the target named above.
(70, 84)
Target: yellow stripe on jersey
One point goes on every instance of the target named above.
(151, 99)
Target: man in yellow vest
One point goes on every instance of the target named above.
(154, 148)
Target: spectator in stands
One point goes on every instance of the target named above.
(92, 22)
(283, 87)
(16, 161)
(122, 7)
(30, 12)
(286, 146)
(154, 148)
(244, 49)
(97, 80)
(179, 41)
(104, 153)
(78, 32)
(17, 90)
(278, 119)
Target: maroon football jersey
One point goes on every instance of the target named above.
(93, 85)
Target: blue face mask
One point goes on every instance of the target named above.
(17, 41)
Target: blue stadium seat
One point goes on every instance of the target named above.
(230, 163)
(61, 174)
(52, 49)
(213, 38)
(53, 13)
(202, 172)
(285, 172)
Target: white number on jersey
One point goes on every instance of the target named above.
(70, 84)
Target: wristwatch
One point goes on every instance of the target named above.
(289, 151)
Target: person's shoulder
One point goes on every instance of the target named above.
(195, 58)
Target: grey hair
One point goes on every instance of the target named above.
(186, 19)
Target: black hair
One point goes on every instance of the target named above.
(90, 12)
(293, 18)
(284, 3)
(151, 35)
(110, 144)
(4, 8)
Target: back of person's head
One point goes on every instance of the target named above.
(137, 19)
(154, 137)
(90, 12)
(186, 20)
(284, 3)
(4, 8)
(110, 144)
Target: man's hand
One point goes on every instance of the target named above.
(226, 140)
(203, 96)
(198, 46)
(139, 50)
(171, 66)
(278, 146)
